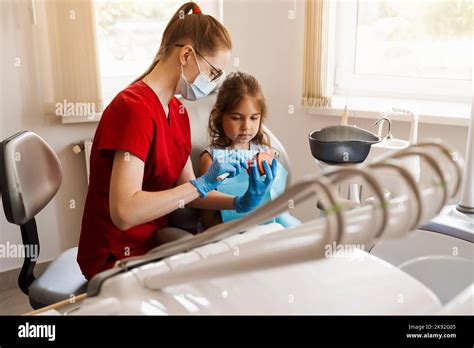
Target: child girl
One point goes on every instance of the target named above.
(235, 125)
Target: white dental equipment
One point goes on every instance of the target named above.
(210, 256)
(273, 256)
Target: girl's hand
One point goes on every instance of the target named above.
(208, 181)
(257, 188)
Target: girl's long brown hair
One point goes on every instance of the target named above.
(235, 87)
(190, 26)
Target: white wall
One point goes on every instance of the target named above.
(267, 44)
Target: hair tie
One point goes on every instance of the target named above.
(196, 9)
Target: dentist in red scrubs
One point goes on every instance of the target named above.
(140, 165)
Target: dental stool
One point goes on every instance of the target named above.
(30, 176)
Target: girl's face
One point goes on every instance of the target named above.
(241, 125)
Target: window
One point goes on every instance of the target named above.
(129, 35)
(404, 49)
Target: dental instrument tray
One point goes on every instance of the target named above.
(341, 144)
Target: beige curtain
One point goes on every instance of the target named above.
(73, 51)
(315, 86)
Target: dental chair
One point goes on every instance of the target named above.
(30, 176)
(184, 220)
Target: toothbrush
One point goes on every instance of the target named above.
(225, 175)
(222, 176)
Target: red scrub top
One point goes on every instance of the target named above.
(135, 122)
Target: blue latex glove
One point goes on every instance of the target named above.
(257, 188)
(208, 181)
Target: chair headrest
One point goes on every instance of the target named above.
(30, 173)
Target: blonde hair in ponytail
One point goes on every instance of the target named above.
(188, 25)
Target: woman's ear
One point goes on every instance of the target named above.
(184, 54)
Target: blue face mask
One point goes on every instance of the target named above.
(200, 88)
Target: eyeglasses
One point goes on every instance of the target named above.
(215, 72)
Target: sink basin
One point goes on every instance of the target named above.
(394, 144)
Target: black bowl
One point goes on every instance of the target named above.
(341, 144)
